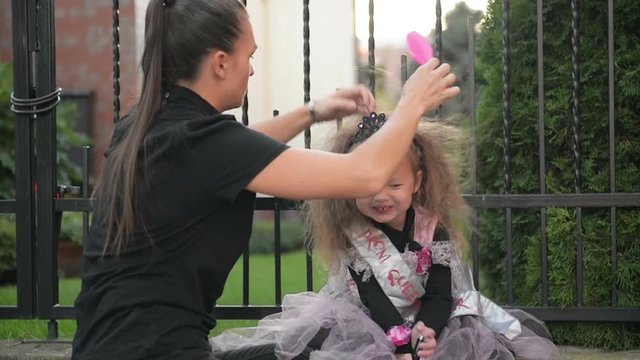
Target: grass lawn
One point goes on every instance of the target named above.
(261, 292)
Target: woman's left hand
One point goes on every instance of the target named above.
(345, 102)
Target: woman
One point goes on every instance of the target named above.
(175, 201)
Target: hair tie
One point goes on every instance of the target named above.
(168, 3)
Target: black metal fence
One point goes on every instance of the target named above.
(38, 203)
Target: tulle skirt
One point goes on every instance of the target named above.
(348, 333)
(465, 337)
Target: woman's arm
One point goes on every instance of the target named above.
(342, 103)
(308, 174)
(284, 127)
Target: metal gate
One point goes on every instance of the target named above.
(38, 204)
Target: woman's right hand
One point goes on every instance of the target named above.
(429, 86)
(345, 102)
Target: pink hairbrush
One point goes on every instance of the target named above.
(419, 48)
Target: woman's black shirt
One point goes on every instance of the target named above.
(155, 300)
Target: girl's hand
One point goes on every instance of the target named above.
(345, 102)
(428, 346)
(429, 86)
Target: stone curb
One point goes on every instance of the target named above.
(35, 350)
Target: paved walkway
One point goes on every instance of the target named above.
(61, 350)
(34, 350)
(577, 353)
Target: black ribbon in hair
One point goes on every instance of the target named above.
(369, 125)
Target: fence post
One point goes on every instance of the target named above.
(24, 45)
(45, 123)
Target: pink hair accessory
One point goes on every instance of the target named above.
(419, 47)
(399, 335)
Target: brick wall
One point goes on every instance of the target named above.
(5, 31)
(84, 57)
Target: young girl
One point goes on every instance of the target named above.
(398, 255)
(397, 275)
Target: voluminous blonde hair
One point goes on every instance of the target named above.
(439, 193)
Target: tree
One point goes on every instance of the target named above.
(561, 222)
(455, 51)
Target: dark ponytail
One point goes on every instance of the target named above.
(178, 35)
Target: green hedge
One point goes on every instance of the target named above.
(558, 130)
(292, 237)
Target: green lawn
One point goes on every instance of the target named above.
(261, 292)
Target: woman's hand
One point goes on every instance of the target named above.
(429, 86)
(428, 346)
(345, 102)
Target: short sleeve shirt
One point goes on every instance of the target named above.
(155, 300)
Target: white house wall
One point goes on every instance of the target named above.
(278, 82)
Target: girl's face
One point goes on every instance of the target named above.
(390, 205)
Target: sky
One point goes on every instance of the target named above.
(394, 19)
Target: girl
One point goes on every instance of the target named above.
(398, 255)
(398, 288)
(173, 207)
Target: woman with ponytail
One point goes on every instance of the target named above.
(175, 201)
